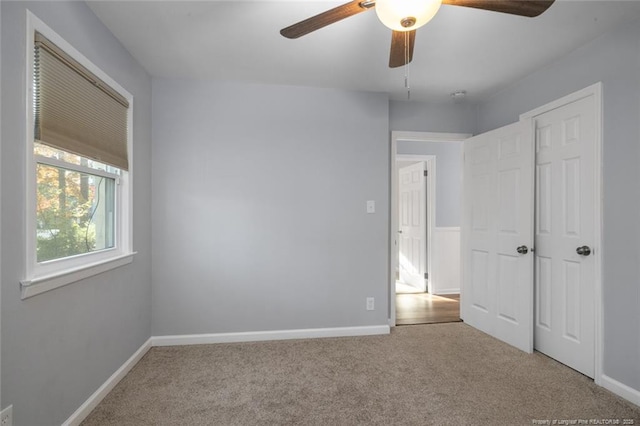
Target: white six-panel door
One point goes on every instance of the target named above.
(497, 295)
(413, 225)
(565, 207)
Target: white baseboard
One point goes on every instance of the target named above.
(448, 291)
(620, 389)
(93, 401)
(257, 336)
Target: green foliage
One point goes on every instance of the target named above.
(64, 203)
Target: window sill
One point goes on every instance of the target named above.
(49, 282)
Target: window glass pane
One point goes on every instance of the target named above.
(75, 213)
(67, 157)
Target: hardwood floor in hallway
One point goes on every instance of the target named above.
(425, 308)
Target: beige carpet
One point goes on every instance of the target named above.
(441, 374)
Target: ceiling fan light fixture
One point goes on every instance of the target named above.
(406, 15)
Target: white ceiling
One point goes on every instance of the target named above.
(460, 49)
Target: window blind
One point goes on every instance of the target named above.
(75, 111)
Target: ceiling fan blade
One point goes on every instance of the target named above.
(528, 8)
(326, 18)
(399, 55)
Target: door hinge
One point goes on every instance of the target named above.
(426, 173)
(426, 275)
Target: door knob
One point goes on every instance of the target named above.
(522, 250)
(583, 251)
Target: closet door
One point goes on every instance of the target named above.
(565, 234)
(497, 229)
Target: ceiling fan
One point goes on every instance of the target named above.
(403, 17)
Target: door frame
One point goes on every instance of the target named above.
(594, 90)
(393, 224)
(430, 166)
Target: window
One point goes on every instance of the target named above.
(78, 177)
(75, 204)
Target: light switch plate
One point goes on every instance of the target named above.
(371, 206)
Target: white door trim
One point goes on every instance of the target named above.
(594, 90)
(393, 225)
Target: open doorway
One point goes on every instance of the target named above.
(425, 252)
(425, 308)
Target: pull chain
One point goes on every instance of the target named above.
(406, 65)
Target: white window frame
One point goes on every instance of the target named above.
(45, 276)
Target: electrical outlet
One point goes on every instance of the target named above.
(370, 303)
(6, 416)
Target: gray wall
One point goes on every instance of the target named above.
(60, 346)
(412, 116)
(448, 176)
(259, 199)
(1, 406)
(613, 59)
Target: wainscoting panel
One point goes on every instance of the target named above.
(446, 261)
